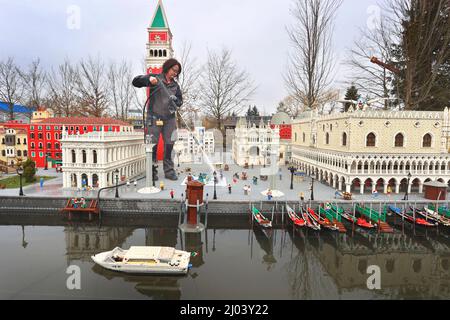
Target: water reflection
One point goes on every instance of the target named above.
(295, 263)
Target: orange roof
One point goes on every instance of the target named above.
(83, 121)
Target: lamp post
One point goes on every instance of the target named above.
(215, 181)
(407, 187)
(46, 161)
(117, 182)
(178, 147)
(20, 173)
(312, 189)
(292, 169)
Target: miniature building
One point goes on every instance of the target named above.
(191, 151)
(14, 143)
(92, 159)
(367, 150)
(255, 145)
(283, 123)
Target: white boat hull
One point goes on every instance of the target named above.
(179, 265)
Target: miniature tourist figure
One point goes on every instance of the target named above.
(375, 193)
(245, 190)
(269, 195)
(302, 196)
(389, 191)
(135, 183)
(229, 188)
(41, 182)
(336, 194)
(255, 181)
(165, 99)
(280, 174)
(161, 185)
(172, 193)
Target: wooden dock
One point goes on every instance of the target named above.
(91, 208)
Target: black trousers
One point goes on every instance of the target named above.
(169, 133)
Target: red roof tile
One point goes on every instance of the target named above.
(83, 121)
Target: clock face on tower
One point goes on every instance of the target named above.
(157, 38)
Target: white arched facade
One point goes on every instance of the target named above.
(106, 152)
(363, 173)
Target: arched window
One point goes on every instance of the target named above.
(371, 140)
(399, 141)
(344, 139)
(74, 156)
(19, 153)
(95, 156)
(427, 140)
(84, 156)
(49, 145)
(25, 153)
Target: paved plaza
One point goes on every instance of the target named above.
(322, 192)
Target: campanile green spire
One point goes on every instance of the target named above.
(159, 20)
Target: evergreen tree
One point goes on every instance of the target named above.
(351, 94)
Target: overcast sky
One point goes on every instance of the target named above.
(255, 30)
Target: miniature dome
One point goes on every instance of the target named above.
(281, 118)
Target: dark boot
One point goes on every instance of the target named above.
(155, 174)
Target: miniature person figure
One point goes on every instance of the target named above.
(229, 188)
(172, 193)
(374, 193)
(41, 182)
(280, 174)
(269, 195)
(135, 183)
(302, 196)
(255, 181)
(83, 203)
(221, 174)
(165, 99)
(249, 190)
(336, 194)
(245, 190)
(161, 185)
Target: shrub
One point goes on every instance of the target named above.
(29, 170)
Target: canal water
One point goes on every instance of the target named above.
(230, 263)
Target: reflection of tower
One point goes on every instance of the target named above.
(24, 243)
(83, 242)
(193, 243)
(266, 245)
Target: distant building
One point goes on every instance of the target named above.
(21, 113)
(254, 145)
(45, 135)
(283, 123)
(14, 143)
(192, 151)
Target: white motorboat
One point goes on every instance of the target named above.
(148, 260)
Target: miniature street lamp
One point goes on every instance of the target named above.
(46, 161)
(312, 189)
(407, 187)
(178, 147)
(292, 169)
(117, 182)
(215, 181)
(20, 173)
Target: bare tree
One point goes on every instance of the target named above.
(11, 84)
(91, 86)
(423, 30)
(35, 84)
(188, 81)
(291, 106)
(311, 65)
(62, 96)
(120, 89)
(367, 77)
(224, 88)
